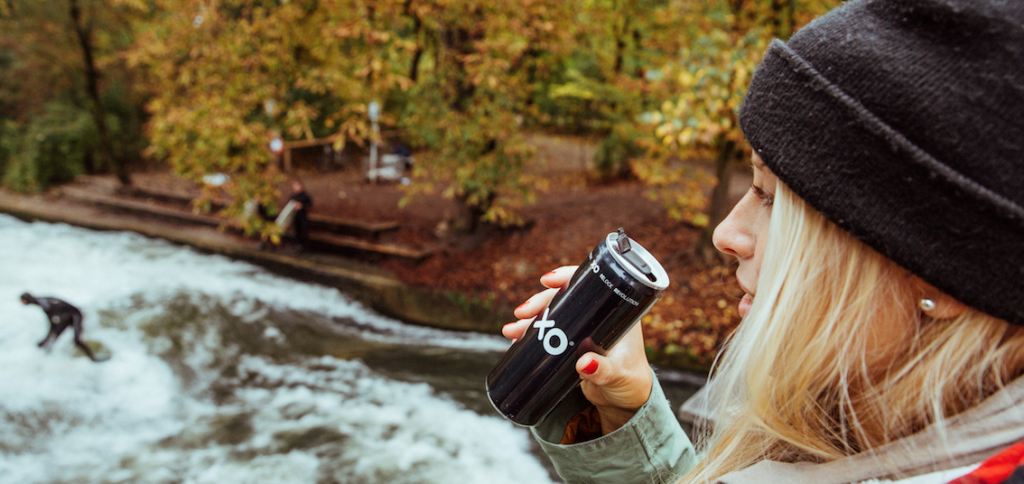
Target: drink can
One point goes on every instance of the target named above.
(606, 296)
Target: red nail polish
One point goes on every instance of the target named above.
(591, 367)
(548, 274)
(521, 305)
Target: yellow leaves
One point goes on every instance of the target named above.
(686, 136)
(740, 72)
(686, 78)
(701, 219)
(572, 90)
(664, 130)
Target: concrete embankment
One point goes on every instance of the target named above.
(364, 282)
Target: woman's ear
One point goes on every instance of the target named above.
(936, 303)
(945, 307)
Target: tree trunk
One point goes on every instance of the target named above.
(620, 47)
(92, 76)
(719, 208)
(468, 220)
(88, 163)
(414, 70)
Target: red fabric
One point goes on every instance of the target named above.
(583, 427)
(996, 469)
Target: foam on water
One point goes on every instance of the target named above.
(201, 387)
(95, 269)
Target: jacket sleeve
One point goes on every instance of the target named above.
(651, 447)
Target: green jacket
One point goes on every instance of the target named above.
(651, 447)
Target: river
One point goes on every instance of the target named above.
(221, 372)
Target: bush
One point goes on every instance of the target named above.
(613, 154)
(51, 148)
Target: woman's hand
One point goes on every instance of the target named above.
(618, 383)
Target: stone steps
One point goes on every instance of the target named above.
(327, 234)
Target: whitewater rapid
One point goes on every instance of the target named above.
(223, 373)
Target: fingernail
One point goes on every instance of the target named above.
(548, 274)
(523, 304)
(591, 367)
(507, 325)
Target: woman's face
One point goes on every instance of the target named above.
(744, 233)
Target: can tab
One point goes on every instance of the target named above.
(626, 251)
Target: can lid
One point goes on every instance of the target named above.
(640, 263)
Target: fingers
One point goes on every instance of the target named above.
(552, 280)
(535, 304)
(558, 277)
(594, 368)
(517, 329)
(621, 378)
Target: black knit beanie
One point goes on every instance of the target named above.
(903, 122)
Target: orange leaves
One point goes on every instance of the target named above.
(687, 327)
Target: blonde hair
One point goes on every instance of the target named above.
(834, 358)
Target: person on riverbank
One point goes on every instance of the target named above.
(256, 206)
(880, 251)
(301, 221)
(60, 315)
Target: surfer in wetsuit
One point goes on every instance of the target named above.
(61, 315)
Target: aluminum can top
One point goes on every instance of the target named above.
(658, 278)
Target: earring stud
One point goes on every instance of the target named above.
(927, 305)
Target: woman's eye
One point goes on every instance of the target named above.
(767, 199)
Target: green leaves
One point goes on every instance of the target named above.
(701, 90)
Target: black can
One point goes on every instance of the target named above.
(607, 295)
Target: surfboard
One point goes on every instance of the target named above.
(100, 351)
(287, 215)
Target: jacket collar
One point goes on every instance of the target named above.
(963, 440)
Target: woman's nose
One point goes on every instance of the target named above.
(733, 236)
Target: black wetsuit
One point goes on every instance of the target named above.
(61, 315)
(301, 220)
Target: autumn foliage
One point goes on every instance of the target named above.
(91, 86)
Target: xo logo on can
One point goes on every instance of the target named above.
(548, 332)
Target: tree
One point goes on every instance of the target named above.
(469, 104)
(603, 87)
(455, 75)
(61, 56)
(81, 24)
(225, 75)
(705, 87)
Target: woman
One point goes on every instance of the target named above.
(881, 249)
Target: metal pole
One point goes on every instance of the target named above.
(373, 110)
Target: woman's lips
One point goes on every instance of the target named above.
(745, 304)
